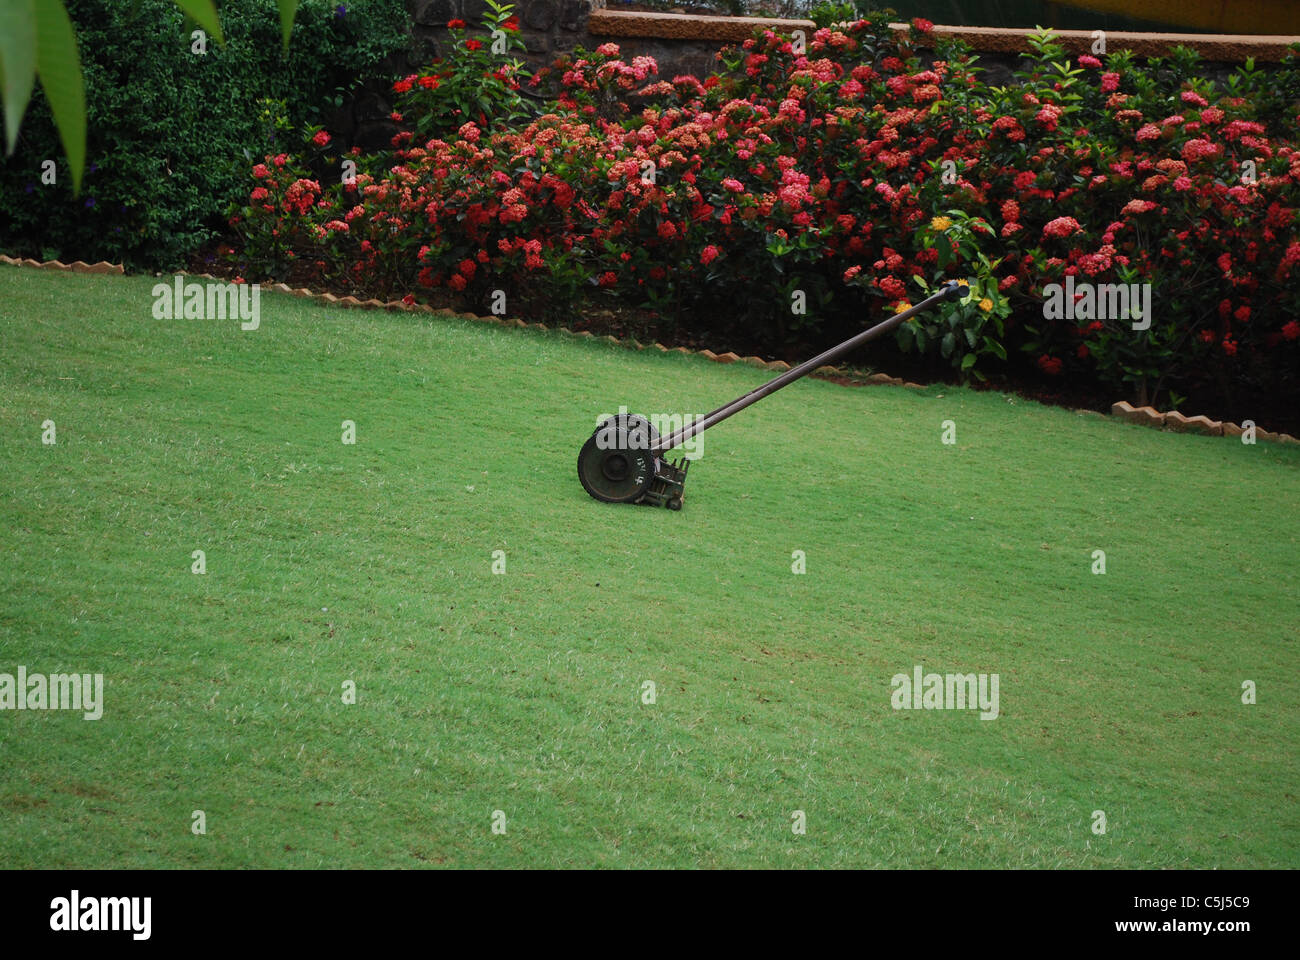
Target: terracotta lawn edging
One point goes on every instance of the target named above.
(77, 266)
(1122, 410)
(1180, 423)
(330, 299)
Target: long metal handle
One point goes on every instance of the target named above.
(950, 291)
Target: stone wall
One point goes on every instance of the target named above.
(680, 43)
(547, 27)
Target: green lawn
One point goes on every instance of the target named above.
(521, 692)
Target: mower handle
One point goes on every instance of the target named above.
(952, 290)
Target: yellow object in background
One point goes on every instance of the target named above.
(1272, 17)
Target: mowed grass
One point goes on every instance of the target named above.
(522, 692)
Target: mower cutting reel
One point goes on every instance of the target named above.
(624, 462)
(618, 464)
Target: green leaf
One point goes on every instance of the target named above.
(288, 10)
(17, 63)
(204, 14)
(967, 362)
(947, 344)
(59, 68)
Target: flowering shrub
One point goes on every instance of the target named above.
(476, 83)
(165, 126)
(783, 193)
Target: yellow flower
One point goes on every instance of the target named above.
(902, 305)
(986, 304)
(940, 223)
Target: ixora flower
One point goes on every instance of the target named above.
(301, 195)
(750, 157)
(1011, 127)
(1049, 116)
(456, 24)
(893, 287)
(1062, 227)
(321, 139)
(1200, 149)
(1134, 207)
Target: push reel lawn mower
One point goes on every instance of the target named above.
(624, 462)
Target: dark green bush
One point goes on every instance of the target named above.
(827, 13)
(170, 131)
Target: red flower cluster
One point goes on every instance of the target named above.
(807, 168)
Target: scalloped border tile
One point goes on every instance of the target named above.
(1199, 423)
(1122, 409)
